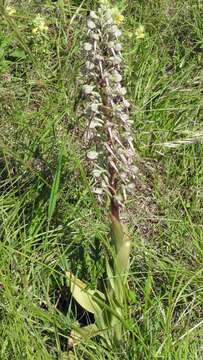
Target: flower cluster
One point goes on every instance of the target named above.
(11, 11)
(108, 135)
(140, 32)
(39, 25)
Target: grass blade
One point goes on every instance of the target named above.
(55, 187)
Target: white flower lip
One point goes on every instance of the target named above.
(111, 44)
(115, 31)
(121, 90)
(98, 59)
(91, 24)
(93, 15)
(88, 89)
(130, 187)
(116, 77)
(96, 121)
(87, 46)
(134, 169)
(109, 21)
(108, 14)
(118, 47)
(94, 36)
(95, 107)
(126, 103)
(98, 191)
(89, 65)
(96, 173)
(92, 155)
(116, 60)
(124, 117)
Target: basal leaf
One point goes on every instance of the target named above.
(117, 233)
(121, 242)
(110, 275)
(79, 334)
(18, 53)
(92, 301)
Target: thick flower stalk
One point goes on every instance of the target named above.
(108, 134)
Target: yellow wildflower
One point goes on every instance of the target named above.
(140, 33)
(40, 25)
(117, 16)
(104, 2)
(10, 10)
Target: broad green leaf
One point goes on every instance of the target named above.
(80, 334)
(117, 233)
(121, 242)
(116, 288)
(55, 187)
(132, 296)
(110, 276)
(91, 300)
(18, 53)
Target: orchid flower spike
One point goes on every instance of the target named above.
(108, 136)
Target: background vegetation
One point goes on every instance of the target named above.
(49, 221)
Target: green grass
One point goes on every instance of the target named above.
(49, 220)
